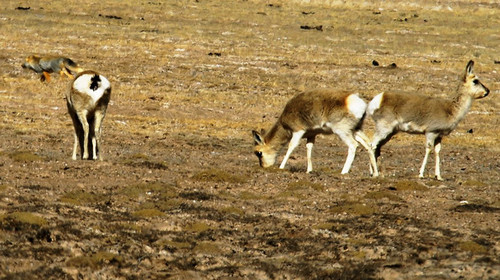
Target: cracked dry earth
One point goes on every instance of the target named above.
(180, 195)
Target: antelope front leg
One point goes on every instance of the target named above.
(437, 149)
(349, 140)
(309, 146)
(429, 145)
(294, 142)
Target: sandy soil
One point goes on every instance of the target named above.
(180, 195)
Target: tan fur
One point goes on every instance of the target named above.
(434, 117)
(321, 111)
(87, 116)
(50, 64)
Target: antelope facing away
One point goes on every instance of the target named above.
(419, 114)
(87, 101)
(321, 111)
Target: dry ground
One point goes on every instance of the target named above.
(180, 194)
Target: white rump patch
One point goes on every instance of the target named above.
(375, 103)
(356, 105)
(82, 84)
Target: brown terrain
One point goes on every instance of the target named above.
(180, 194)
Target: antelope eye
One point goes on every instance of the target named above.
(475, 81)
(258, 154)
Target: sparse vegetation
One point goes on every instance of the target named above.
(179, 194)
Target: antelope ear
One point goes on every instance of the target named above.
(468, 70)
(257, 138)
(469, 67)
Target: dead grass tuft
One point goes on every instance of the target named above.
(246, 195)
(82, 198)
(474, 183)
(231, 210)
(25, 156)
(197, 227)
(148, 213)
(174, 245)
(378, 195)
(334, 227)
(96, 260)
(410, 186)
(354, 208)
(472, 247)
(26, 218)
(207, 248)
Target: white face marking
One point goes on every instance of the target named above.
(356, 105)
(475, 87)
(82, 84)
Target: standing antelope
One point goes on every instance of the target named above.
(87, 102)
(321, 111)
(419, 114)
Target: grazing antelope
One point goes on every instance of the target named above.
(87, 102)
(419, 114)
(321, 111)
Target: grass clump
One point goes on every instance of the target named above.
(378, 195)
(472, 247)
(96, 260)
(25, 156)
(142, 160)
(354, 208)
(168, 204)
(474, 183)
(410, 186)
(246, 195)
(26, 218)
(231, 210)
(334, 227)
(207, 248)
(82, 198)
(174, 245)
(197, 227)
(148, 213)
(218, 176)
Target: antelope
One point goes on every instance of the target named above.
(420, 114)
(87, 101)
(320, 111)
